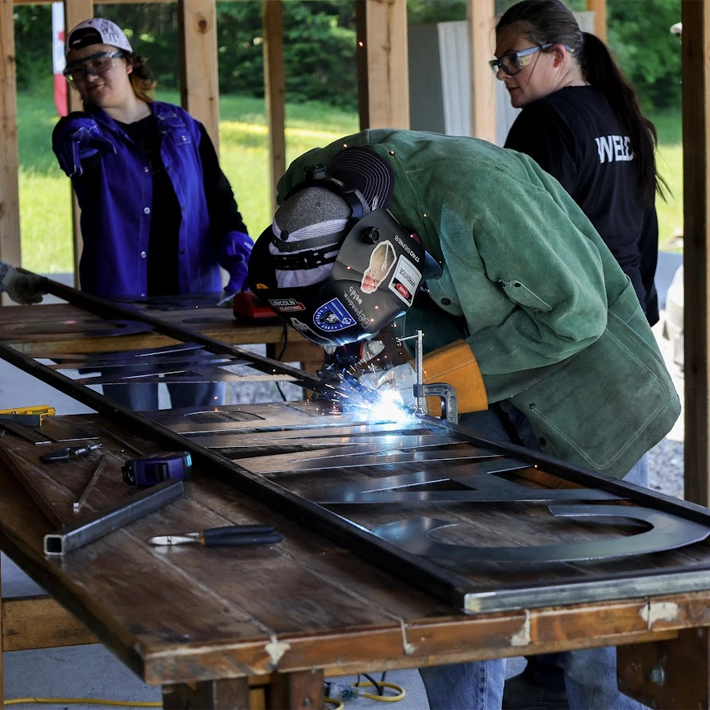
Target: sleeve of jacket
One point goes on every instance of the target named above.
(76, 140)
(224, 213)
(526, 243)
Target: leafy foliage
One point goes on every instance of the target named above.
(319, 44)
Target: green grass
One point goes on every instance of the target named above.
(45, 206)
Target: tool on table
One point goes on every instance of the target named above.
(30, 416)
(28, 433)
(68, 452)
(90, 484)
(247, 307)
(230, 535)
(76, 535)
(149, 470)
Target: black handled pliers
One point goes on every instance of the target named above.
(230, 535)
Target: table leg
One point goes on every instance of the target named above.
(670, 674)
(301, 690)
(232, 693)
(2, 636)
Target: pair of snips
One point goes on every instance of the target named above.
(228, 536)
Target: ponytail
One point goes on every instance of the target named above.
(602, 72)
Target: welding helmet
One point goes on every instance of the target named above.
(336, 264)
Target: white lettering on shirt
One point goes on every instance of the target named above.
(614, 149)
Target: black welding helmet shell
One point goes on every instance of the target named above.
(375, 274)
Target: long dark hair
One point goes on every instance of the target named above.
(550, 21)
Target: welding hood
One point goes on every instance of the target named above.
(375, 276)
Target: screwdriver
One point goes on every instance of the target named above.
(68, 452)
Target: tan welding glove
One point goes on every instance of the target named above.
(455, 364)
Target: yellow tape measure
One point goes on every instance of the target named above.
(40, 410)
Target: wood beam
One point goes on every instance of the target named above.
(199, 83)
(275, 91)
(598, 7)
(382, 63)
(76, 11)
(481, 26)
(9, 155)
(695, 15)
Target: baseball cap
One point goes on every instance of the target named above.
(96, 31)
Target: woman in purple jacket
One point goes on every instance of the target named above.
(158, 216)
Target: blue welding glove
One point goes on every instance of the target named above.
(75, 138)
(233, 255)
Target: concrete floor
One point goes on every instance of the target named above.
(92, 671)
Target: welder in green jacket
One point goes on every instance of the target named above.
(530, 318)
(536, 313)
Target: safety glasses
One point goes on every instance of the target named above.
(513, 62)
(94, 65)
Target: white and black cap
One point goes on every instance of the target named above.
(96, 31)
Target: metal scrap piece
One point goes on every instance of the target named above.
(665, 532)
(71, 537)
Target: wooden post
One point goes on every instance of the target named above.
(275, 90)
(598, 7)
(76, 11)
(9, 154)
(695, 15)
(199, 84)
(301, 690)
(208, 695)
(2, 635)
(481, 24)
(667, 674)
(382, 63)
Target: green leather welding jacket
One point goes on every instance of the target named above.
(552, 320)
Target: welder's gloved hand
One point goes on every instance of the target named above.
(233, 255)
(22, 288)
(455, 364)
(75, 138)
(383, 350)
(399, 379)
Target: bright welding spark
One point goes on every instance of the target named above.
(380, 406)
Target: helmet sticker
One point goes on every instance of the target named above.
(382, 260)
(405, 280)
(333, 316)
(307, 332)
(286, 305)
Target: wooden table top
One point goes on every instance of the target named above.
(62, 327)
(191, 613)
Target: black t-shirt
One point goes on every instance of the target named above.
(574, 135)
(165, 211)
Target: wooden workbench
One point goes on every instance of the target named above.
(205, 622)
(76, 331)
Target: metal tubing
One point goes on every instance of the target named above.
(72, 537)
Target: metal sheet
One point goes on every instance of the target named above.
(233, 440)
(666, 532)
(193, 375)
(475, 483)
(61, 431)
(314, 460)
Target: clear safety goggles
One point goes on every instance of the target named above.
(93, 65)
(513, 62)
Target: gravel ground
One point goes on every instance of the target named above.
(667, 458)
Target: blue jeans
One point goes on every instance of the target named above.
(590, 674)
(143, 397)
